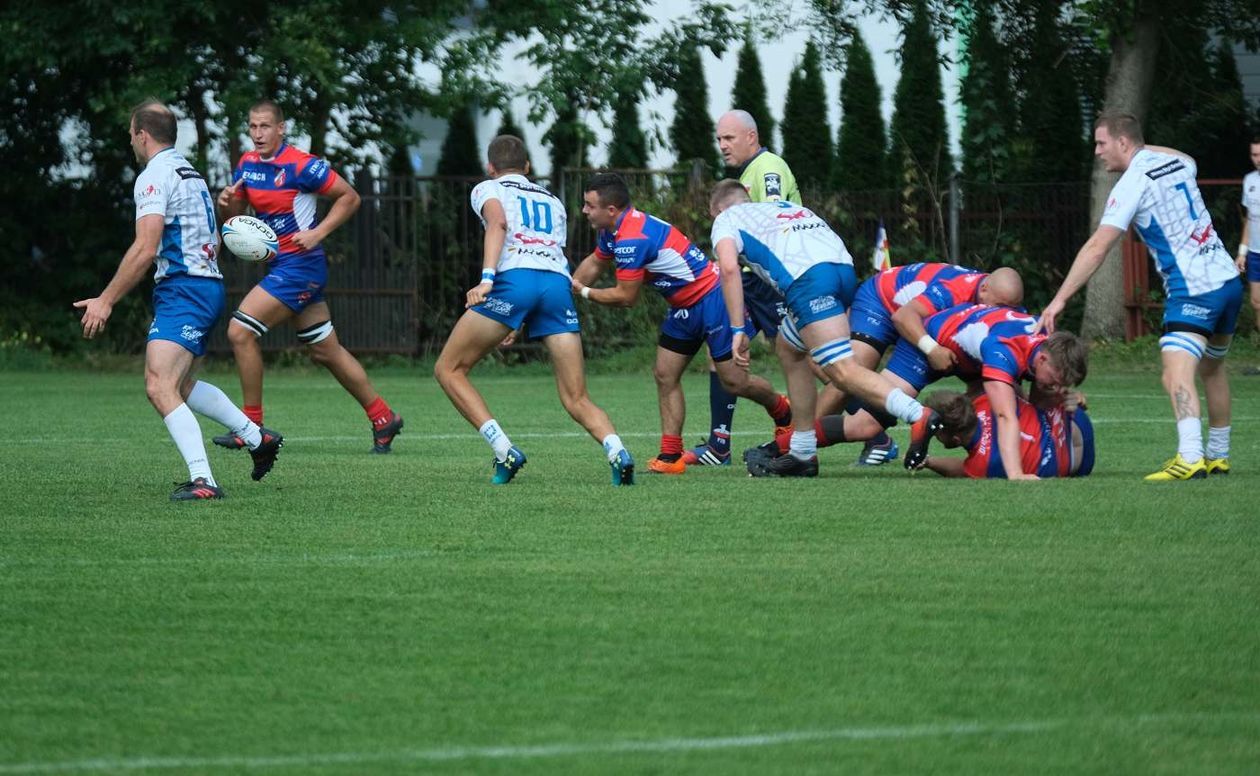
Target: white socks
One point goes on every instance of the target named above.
(1190, 439)
(208, 400)
(900, 404)
(187, 435)
(804, 444)
(613, 446)
(497, 439)
(1218, 442)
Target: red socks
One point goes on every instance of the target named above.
(378, 412)
(671, 447)
(253, 412)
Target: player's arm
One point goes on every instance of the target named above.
(624, 294)
(909, 323)
(588, 271)
(491, 248)
(1241, 257)
(1006, 417)
(232, 200)
(733, 293)
(1087, 261)
(131, 269)
(345, 201)
(947, 466)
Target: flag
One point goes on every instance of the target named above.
(881, 259)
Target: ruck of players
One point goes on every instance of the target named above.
(858, 357)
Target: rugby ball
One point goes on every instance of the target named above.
(250, 238)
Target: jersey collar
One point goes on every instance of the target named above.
(751, 159)
(617, 225)
(280, 149)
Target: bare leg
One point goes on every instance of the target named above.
(330, 354)
(270, 312)
(473, 337)
(569, 366)
(668, 373)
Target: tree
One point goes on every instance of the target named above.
(861, 144)
(567, 137)
(691, 132)
(460, 154)
(988, 130)
(806, 133)
(1051, 127)
(920, 152)
(628, 148)
(749, 92)
(1231, 136)
(508, 125)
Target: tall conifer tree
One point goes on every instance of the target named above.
(988, 130)
(861, 145)
(749, 92)
(460, 155)
(806, 133)
(692, 132)
(628, 148)
(920, 138)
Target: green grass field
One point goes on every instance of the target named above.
(381, 614)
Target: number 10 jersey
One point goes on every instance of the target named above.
(537, 226)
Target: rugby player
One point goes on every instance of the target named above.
(1158, 194)
(524, 281)
(281, 184)
(645, 249)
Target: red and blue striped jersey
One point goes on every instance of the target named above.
(1043, 442)
(993, 343)
(282, 191)
(939, 285)
(646, 248)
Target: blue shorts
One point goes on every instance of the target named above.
(1253, 267)
(764, 306)
(909, 363)
(824, 291)
(185, 310)
(869, 320)
(537, 298)
(297, 283)
(1215, 312)
(685, 329)
(1081, 419)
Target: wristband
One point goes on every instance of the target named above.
(927, 344)
(739, 330)
(586, 292)
(1242, 250)
(487, 276)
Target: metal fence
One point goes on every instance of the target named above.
(398, 271)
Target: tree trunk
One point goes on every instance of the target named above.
(1130, 78)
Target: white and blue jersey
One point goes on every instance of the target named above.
(189, 297)
(170, 187)
(779, 241)
(532, 287)
(537, 225)
(1158, 194)
(1251, 202)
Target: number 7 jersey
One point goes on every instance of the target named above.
(1158, 194)
(537, 226)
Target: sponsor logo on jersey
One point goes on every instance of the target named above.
(793, 216)
(191, 333)
(1195, 311)
(624, 250)
(254, 175)
(278, 181)
(821, 303)
(188, 173)
(1175, 165)
(524, 239)
(150, 191)
(318, 168)
(774, 185)
(682, 314)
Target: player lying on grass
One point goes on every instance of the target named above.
(798, 254)
(175, 228)
(524, 281)
(991, 346)
(645, 249)
(281, 184)
(1056, 437)
(893, 303)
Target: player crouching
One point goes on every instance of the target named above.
(799, 255)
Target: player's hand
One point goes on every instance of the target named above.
(478, 293)
(228, 194)
(942, 359)
(509, 340)
(308, 240)
(96, 312)
(739, 347)
(1046, 321)
(1024, 477)
(1240, 261)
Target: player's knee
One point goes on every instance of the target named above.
(245, 329)
(664, 376)
(313, 335)
(834, 356)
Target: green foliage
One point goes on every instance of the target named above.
(567, 137)
(806, 132)
(861, 145)
(920, 154)
(691, 133)
(749, 92)
(988, 130)
(460, 154)
(1225, 153)
(628, 148)
(1052, 144)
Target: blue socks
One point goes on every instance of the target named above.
(721, 413)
